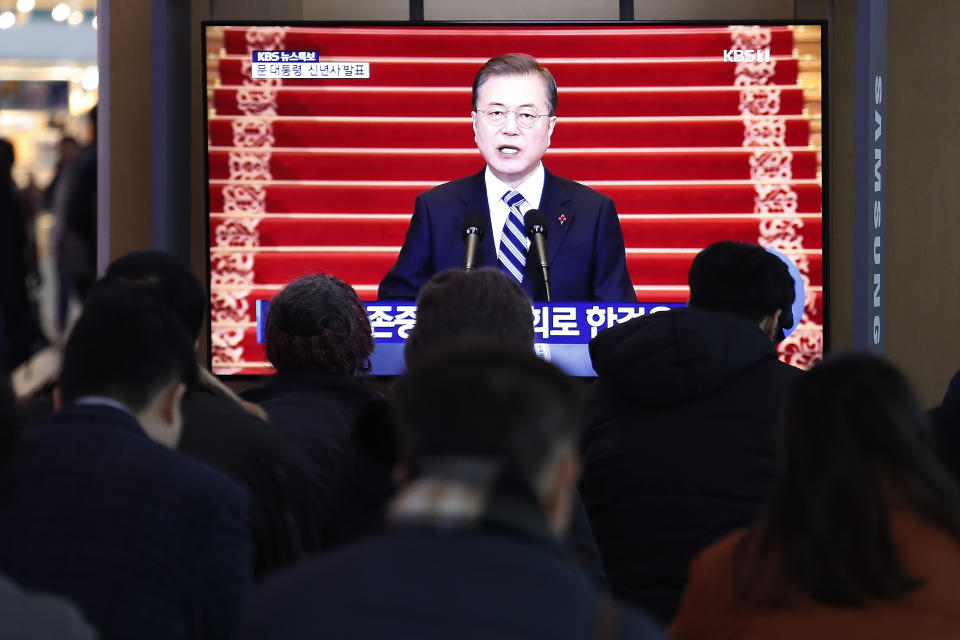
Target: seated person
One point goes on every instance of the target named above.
(486, 438)
(680, 431)
(861, 536)
(318, 338)
(486, 302)
(147, 542)
(228, 433)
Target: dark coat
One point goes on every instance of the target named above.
(147, 542)
(222, 434)
(679, 443)
(506, 579)
(314, 413)
(586, 251)
(946, 424)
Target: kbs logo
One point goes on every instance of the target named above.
(266, 56)
(746, 55)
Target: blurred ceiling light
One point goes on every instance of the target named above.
(60, 12)
(75, 18)
(26, 6)
(93, 23)
(90, 79)
(7, 19)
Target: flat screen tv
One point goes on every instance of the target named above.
(321, 135)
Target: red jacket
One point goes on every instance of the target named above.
(929, 612)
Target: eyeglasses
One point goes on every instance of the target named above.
(526, 117)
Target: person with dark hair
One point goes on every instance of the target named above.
(514, 114)
(20, 321)
(76, 232)
(485, 302)
(680, 426)
(149, 543)
(227, 432)
(487, 437)
(861, 535)
(319, 339)
(481, 301)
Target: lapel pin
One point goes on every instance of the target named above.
(562, 219)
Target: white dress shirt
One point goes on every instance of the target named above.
(531, 189)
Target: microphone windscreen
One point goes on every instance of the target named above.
(535, 222)
(475, 222)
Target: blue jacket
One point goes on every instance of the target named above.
(146, 541)
(586, 252)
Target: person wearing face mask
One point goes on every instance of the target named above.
(514, 115)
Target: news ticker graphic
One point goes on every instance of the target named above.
(303, 64)
(562, 330)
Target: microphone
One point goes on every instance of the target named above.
(474, 226)
(535, 226)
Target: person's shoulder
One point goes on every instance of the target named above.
(456, 188)
(572, 187)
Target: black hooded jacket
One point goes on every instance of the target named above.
(679, 441)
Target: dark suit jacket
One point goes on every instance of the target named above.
(147, 542)
(283, 516)
(502, 577)
(586, 253)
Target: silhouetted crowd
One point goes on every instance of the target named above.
(699, 488)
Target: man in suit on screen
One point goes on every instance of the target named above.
(514, 114)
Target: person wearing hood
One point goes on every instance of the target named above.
(681, 425)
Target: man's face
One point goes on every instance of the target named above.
(511, 151)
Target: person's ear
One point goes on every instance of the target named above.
(170, 403)
(551, 123)
(770, 324)
(474, 116)
(401, 474)
(558, 500)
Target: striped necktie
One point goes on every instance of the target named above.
(513, 242)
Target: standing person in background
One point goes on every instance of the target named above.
(861, 536)
(514, 113)
(23, 334)
(66, 149)
(76, 242)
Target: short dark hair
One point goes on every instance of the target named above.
(164, 278)
(855, 445)
(319, 321)
(517, 64)
(481, 399)
(479, 302)
(742, 278)
(125, 346)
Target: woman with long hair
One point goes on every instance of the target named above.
(861, 537)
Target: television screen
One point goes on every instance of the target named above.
(321, 136)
